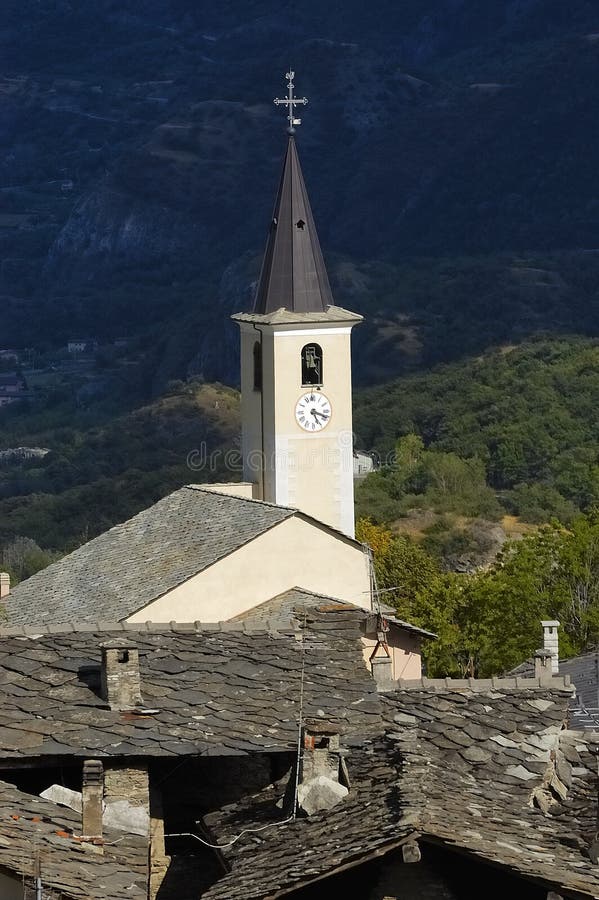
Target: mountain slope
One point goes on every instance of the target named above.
(141, 150)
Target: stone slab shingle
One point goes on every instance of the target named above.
(132, 564)
(33, 829)
(221, 691)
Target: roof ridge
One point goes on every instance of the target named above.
(556, 682)
(270, 625)
(303, 590)
(210, 490)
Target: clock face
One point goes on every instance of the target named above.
(313, 411)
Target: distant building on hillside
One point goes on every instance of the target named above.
(363, 464)
(12, 388)
(82, 345)
(9, 356)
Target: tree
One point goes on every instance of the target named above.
(402, 568)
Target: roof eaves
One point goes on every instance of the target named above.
(357, 860)
(208, 490)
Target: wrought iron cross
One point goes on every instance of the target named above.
(291, 102)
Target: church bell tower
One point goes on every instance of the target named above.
(296, 395)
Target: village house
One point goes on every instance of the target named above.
(204, 554)
(363, 464)
(267, 757)
(583, 671)
(13, 388)
(82, 346)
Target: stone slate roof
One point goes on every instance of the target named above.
(121, 571)
(31, 826)
(482, 766)
(496, 776)
(373, 819)
(583, 671)
(290, 605)
(486, 770)
(219, 689)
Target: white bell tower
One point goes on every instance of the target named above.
(296, 395)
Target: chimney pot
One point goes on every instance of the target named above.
(121, 685)
(4, 585)
(551, 642)
(382, 672)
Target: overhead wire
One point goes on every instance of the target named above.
(300, 725)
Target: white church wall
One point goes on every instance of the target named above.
(294, 553)
(315, 471)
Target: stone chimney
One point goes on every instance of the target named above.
(551, 642)
(381, 662)
(121, 686)
(4, 585)
(92, 798)
(322, 768)
(321, 751)
(382, 672)
(543, 665)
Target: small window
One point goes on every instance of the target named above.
(257, 366)
(311, 364)
(123, 656)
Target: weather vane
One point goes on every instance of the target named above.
(291, 102)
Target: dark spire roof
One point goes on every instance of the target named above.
(293, 273)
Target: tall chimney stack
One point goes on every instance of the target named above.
(121, 686)
(92, 798)
(551, 642)
(4, 585)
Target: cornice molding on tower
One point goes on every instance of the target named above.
(282, 316)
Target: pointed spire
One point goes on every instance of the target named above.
(293, 273)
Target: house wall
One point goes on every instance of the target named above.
(294, 553)
(404, 647)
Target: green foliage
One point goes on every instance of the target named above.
(96, 477)
(522, 420)
(402, 568)
(22, 558)
(538, 502)
(428, 479)
(489, 622)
